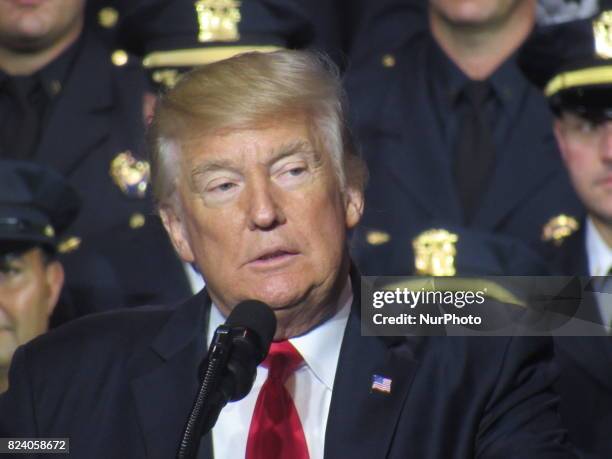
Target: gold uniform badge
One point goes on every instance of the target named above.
(558, 228)
(602, 30)
(218, 20)
(434, 253)
(130, 175)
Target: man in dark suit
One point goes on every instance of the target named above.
(258, 184)
(456, 139)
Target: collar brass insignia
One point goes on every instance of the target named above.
(602, 31)
(130, 175)
(434, 253)
(69, 245)
(218, 20)
(558, 228)
(377, 237)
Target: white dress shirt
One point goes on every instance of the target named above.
(195, 279)
(599, 255)
(310, 386)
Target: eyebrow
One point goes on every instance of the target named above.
(285, 150)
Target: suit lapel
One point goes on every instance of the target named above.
(525, 163)
(164, 378)
(422, 170)
(361, 422)
(86, 101)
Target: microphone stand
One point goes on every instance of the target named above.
(209, 400)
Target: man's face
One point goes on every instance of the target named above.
(587, 152)
(473, 12)
(31, 25)
(29, 289)
(264, 218)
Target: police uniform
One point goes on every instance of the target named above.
(176, 35)
(37, 205)
(403, 113)
(582, 84)
(92, 133)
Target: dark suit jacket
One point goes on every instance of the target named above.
(585, 362)
(121, 384)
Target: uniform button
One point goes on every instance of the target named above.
(137, 220)
(119, 57)
(108, 17)
(388, 60)
(56, 87)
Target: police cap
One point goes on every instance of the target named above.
(36, 204)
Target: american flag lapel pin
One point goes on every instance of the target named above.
(381, 384)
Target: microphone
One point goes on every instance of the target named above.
(230, 368)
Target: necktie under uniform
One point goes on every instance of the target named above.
(276, 430)
(475, 149)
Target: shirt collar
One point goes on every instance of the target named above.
(508, 83)
(320, 347)
(598, 252)
(53, 76)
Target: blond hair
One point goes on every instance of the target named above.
(248, 90)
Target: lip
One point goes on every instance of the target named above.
(273, 258)
(605, 181)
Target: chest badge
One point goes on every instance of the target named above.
(130, 175)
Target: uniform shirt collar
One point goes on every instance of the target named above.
(320, 347)
(598, 252)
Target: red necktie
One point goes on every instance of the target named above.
(276, 431)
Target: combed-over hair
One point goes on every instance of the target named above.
(246, 91)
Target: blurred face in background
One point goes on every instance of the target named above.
(29, 290)
(586, 147)
(33, 25)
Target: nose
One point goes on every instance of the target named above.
(263, 204)
(606, 142)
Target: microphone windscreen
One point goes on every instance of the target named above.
(256, 317)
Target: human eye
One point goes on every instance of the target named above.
(292, 172)
(222, 187)
(9, 270)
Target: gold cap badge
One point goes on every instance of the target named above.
(558, 228)
(434, 253)
(602, 30)
(130, 175)
(218, 20)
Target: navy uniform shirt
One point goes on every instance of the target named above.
(406, 121)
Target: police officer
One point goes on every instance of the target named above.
(71, 102)
(36, 206)
(579, 91)
(458, 142)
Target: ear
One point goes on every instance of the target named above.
(353, 206)
(54, 272)
(560, 136)
(178, 235)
